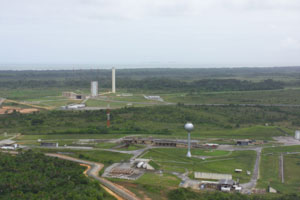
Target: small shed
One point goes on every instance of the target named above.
(226, 183)
(48, 144)
(242, 142)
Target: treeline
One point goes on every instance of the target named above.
(153, 84)
(202, 85)
(191, 72)
(35, 176)
(186, 194)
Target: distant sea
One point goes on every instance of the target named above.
(122, 66)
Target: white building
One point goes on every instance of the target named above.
(73, 106)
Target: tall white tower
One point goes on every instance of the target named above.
(189, 127)
(113, 79)
(94, 88)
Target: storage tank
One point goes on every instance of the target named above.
(297, 135)
(145, 165)
(140, 164)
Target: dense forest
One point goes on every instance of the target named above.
(186, 194)
(153, 84)
(141, 119)
(225, 79)
(34, 176)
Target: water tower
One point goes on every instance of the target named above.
(189, 127)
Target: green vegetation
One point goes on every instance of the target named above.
(211, 152)
(105, 157)
(286, 96)
(161, 121)
(281, 149)
(186, 194)
(105, 145)
(270, 173)
(151, 185)
(158, 79)
(170, 159)
(34, 176)
(216, 124)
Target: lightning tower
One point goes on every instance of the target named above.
(108, 116)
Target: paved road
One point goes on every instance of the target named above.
(281, 167)
(94, 171)
(247, 187)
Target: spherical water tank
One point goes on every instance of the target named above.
(189, 126)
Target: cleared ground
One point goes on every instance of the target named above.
(175, 160)
(151, 185)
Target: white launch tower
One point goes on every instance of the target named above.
(94, 88)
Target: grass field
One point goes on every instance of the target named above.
(254, 132)
(52, 97)
(269, 169)
(2, 137)
(31, 94)
(132, 147)
(152, 185)
(286, 96)
(105, 157)
(101, 103)
(176, 160)
(105, 145)
(292, 173)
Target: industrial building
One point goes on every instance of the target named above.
(73, 95)
(161, 142)
(123, 171)
(224, 185)
(73, 106)
(12, 146)
(212, 176)
(243, 142)
(94, 88)
(153, 98)
(48, 144)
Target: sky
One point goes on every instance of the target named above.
(89, 33)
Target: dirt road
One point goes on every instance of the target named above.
(247, 187)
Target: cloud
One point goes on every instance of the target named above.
(35, 10)
(290, 43)
(184, 30)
